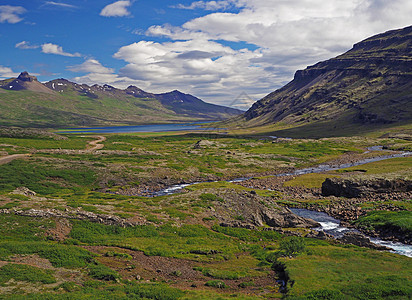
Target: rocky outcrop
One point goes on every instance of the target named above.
(72, 214)
(360, 240)
(350, 188)
(249, 210)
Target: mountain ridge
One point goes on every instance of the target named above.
(61, 103)
(369, 85)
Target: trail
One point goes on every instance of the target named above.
(9, 158)
(95, 145)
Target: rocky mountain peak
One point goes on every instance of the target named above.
(24, 76)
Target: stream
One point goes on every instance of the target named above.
(329, 224)
(317, 169)
(332, 226)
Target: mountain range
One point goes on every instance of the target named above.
(24, 101)
(366, 88)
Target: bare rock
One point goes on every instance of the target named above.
(360, 240)
(23, 191)
(350, 188)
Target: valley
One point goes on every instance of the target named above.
(109, 193)
(78, 205)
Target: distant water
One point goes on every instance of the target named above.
(138, 128)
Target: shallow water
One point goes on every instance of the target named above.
(332, 226)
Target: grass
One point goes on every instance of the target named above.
(348, 271)
(402, 166)
(44, 179)
(401, 220)
(308, 180)
(223, 254)
(165, 240)
(25, 273)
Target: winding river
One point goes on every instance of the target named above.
(329, 224)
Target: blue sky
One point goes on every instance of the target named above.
(230, 52)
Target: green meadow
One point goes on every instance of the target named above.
(178, 248)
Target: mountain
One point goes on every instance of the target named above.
(27, 82)
(24, 101)
(366, 88)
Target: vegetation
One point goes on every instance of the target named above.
(179, 248)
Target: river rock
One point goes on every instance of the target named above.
(360, 240)
(351, 188)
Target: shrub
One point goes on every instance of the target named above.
(153, 291)
(102, 272)
(216, 284)
(292, 246)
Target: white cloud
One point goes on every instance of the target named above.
(10, 14)
(59, 4)
(50, 48)
(99, 74)
(26, 45)
(283, 36)
(6, 72)
(207, 5)
(91, 66)
(116, 9)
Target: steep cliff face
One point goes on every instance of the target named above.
(369, 84)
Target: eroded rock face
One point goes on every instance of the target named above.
(246, 209)
(360, 188)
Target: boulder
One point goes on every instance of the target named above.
(351, 188)
(360, 240)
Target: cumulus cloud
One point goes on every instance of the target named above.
(271, 39)
(6, 72)
(208, 5)
(91, 66)
(116, 9)
(26, 45)
(99, 74)
(50, 48)
(11, 14)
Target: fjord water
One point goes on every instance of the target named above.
(332, 226)
(137, 128)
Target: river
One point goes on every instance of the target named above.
(328, 224)
(332, 226)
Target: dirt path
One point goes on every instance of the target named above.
(9, 158)
(95, 145)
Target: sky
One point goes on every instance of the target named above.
(227, 52)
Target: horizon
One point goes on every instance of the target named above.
(228, 52)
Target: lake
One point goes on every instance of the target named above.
(138, 128)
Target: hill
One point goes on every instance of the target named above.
(24, 101)
(366, 88)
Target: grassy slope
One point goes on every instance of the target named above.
(25, 108)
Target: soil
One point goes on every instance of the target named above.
(157, 268)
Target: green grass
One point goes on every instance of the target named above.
(44, 179)
(25, 273)
(308, 180)
(349, 271)
(401, 166)
(165, 240)
(401, 220)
